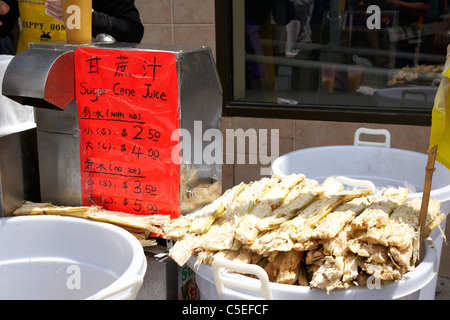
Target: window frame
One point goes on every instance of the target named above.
(302, 111)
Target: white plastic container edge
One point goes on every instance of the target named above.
(263, 286)
(133, 285)
(442, 194)
(387, 137)
(244, 287)
(124, 287)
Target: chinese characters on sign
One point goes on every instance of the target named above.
(127, 110)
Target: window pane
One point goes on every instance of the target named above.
(339, 53)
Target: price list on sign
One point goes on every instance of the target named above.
(128, 110)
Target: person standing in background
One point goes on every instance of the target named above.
(117, 18)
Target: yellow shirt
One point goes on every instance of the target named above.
(36, 26)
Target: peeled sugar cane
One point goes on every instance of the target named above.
(140, 226)
(305, 233)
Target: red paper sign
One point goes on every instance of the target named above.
(128, 111)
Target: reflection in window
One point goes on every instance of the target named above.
(330, 52)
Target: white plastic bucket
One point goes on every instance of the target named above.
(62, 258)
(406, 97)
(213, 283)
(383, 166)
(370, 161)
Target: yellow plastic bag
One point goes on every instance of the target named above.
(36, 25)
(440, 122)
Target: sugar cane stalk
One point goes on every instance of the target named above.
(426, 193)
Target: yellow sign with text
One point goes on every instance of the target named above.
(37, 26)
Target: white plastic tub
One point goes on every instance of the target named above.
(406, 97)
(383, 166)
(215, 282)
(53, 257)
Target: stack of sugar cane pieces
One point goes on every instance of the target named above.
(305, 233)
(141, 226)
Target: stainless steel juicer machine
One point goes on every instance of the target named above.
(44, 77)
